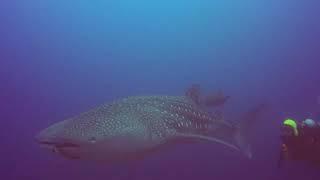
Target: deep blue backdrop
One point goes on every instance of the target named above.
(59, 58)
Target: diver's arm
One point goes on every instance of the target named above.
(283, 154)
(280, 160)
(317, 137)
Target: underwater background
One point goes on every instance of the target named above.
(60, 58)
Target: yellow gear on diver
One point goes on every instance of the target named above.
(291, 123)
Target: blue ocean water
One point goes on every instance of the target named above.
(60, 58)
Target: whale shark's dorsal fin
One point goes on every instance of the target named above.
(214, 99)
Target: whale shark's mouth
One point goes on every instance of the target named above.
(59, 144)
(66, 149)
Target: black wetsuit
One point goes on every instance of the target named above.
(312, 143)
(304, 147)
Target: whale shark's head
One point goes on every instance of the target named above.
(69, 139)
(95, 136)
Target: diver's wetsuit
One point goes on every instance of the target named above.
(304, 147)
(312, 143)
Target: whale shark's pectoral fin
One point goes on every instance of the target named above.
(242, 135)
(195, 137)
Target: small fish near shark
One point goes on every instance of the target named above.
(133, 127)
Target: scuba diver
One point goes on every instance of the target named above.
(300, 141)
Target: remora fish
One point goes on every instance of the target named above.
(133, 127)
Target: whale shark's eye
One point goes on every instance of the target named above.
(92, 140)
